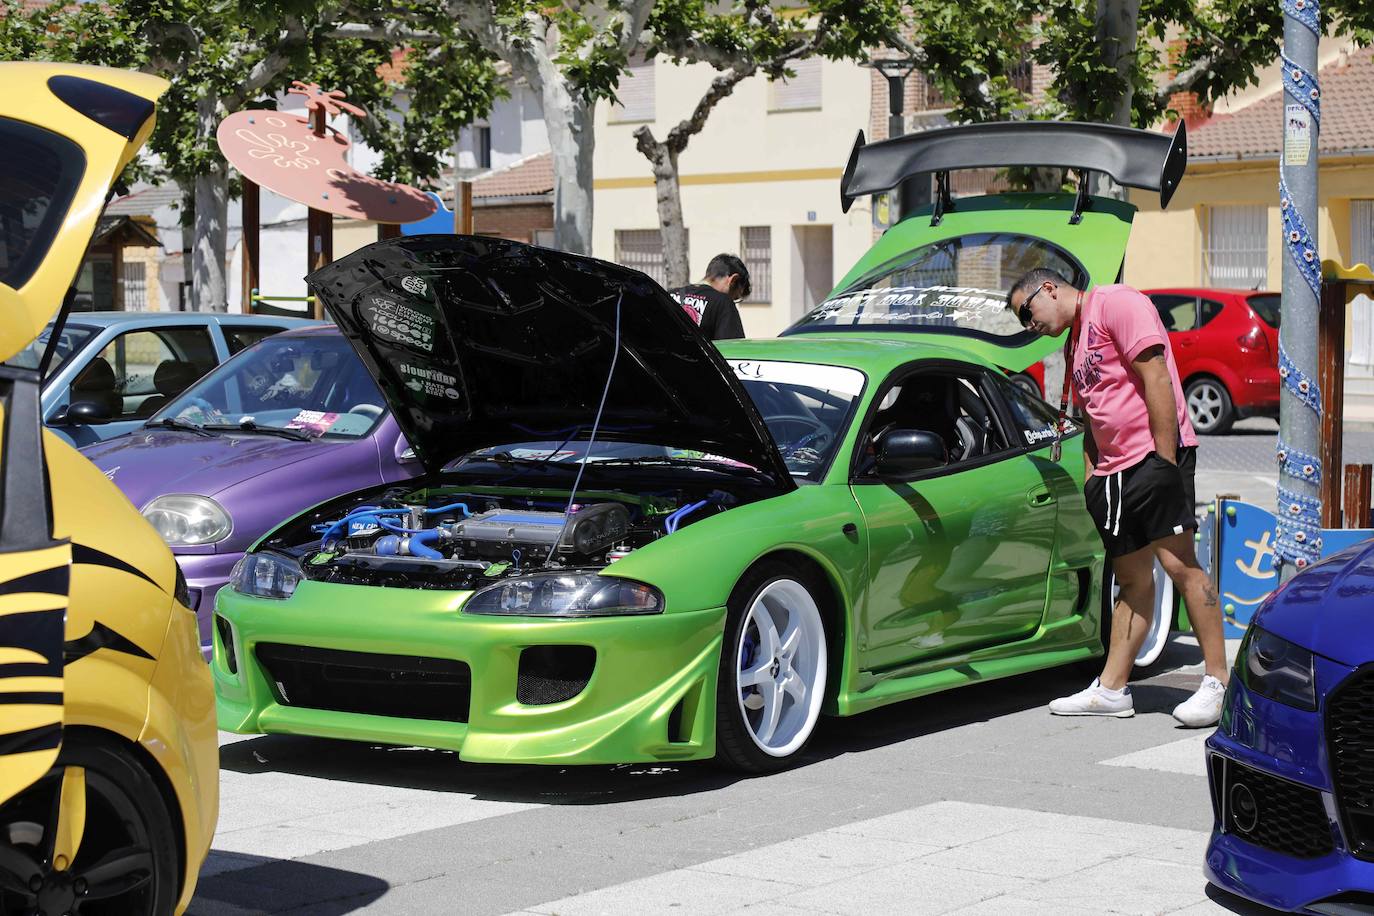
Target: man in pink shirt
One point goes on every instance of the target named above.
(1141, 451)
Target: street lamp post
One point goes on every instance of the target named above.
(913, 192)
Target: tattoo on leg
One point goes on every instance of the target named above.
(1210, 594)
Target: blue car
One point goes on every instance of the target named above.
(111, 371)
(1291, 766)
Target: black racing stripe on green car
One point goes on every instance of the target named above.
(43, 738)
(48, 581)
(31, 697)
(100, 637)
(92, 557)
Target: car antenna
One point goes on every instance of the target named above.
(591, 440)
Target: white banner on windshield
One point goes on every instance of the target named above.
(839, 379)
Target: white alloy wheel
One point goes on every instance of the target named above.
(1161, 623)
(781, 667)
(1209, 405)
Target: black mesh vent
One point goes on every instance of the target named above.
(1352, 903)
(1290, 818)
(1350, 741)
(401, 686)
(226, 639)
(552, 674)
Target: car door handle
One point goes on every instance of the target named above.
(1040, 496)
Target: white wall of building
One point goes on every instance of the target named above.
(750, 166)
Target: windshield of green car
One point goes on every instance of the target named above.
(72, 339)
(315, 384)
(953, 286)
(805, 406)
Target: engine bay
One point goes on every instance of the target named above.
(450, 538)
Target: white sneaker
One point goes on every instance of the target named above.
(1204, 707)
(1096, 700)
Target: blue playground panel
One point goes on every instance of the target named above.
(1238, 538)
(440, 223)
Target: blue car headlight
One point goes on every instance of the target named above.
(265, 575)
(1275, 668)
(562, 594)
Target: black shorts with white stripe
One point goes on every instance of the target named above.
(1150, 500)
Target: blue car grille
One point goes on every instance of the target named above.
(401, 686)
(1286, 818)
(1350, 742)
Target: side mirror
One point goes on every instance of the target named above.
(902, 452)
(81, 413)
(403, 451)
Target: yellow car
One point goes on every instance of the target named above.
(108, 755)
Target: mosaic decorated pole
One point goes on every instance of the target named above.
(1298, 529)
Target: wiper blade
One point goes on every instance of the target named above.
(508, 458)
(175, 423)
(248, 426)
(679, 461)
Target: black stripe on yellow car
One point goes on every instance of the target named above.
(81, 553)
(100, 637)
(43, 738)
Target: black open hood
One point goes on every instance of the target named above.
(477, 342)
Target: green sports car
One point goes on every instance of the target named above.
(632, 546)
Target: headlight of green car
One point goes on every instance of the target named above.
(265, 575)
(562, 594)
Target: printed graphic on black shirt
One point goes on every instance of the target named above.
(711, 310)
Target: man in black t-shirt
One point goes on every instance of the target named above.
(711, 303)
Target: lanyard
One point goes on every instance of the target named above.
(1069, 347)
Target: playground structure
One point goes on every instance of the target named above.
(304, 160)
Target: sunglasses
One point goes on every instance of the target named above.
(1023, 313)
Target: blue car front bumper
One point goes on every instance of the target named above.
(1295, 848)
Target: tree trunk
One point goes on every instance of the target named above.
(572, 141)
(663, 161)
(1117, 24)
(209, 286)
(675, 263)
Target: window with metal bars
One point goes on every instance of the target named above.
(1236, 252)
(642, 249)
(135, 282)
(756, 251)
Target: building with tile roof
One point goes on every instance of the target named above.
(1223, 226)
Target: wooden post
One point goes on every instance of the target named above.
(388, 231)
(462, 211)
(1357, 495)
(1331, 378)
(117, 271)
(252, 257)
(319, 225)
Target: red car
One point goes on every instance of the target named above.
(1226, 345)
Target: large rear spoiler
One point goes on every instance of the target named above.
(1136, 158)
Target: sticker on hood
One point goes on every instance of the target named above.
(433, 382)
(399, 323)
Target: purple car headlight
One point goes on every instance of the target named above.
(265, 575)
(563, 594)
(186, 520)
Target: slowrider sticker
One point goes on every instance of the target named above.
(433, 382)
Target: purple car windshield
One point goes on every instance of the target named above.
(313, 384)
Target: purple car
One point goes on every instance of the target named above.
(290, 422)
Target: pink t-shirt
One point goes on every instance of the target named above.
(1116, 324)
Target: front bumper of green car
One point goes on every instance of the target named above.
(405, 667)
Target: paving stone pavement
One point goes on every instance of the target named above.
(972, 802)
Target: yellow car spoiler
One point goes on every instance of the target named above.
(86, 124)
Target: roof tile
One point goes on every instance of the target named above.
(1257, 130)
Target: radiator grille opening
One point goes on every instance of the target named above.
(399, 686)
(553, 674)
(1350, 742)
